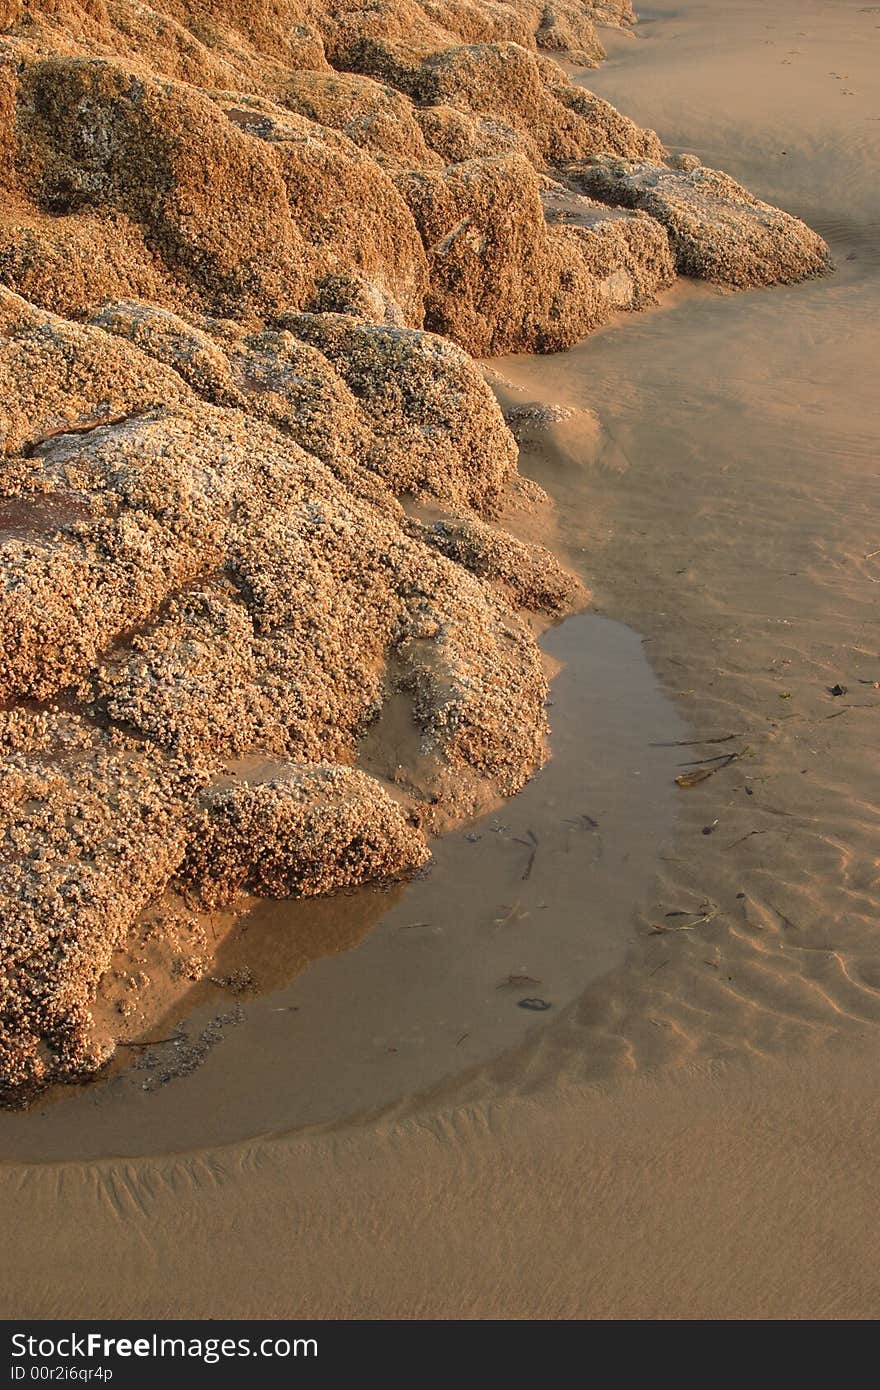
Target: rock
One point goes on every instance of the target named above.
(201, 589)
(528, 575)
(374, 116)
(354, 294)
(168, 338)
(55, 374)
(437, 425)
(271, 375)
(91, 828)
(207, 175)
(212, 201)
(483, 224)
(457, 136)
(565, 26)
(718, 230)
(508, 82)
(306, 829)
(343, 205)
(125, 536)
(600, 127)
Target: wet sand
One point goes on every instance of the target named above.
(693, 1136)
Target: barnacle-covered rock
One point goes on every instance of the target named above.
(718, 230)
(197, 171)
(58, 375)
(305, 829)
(212, 201)
(457, 135)
(375, 117)
(438, 427)
(92, 826)
(527, 574)
(341, 202)
(484, 224)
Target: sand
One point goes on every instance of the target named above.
(693, 1136)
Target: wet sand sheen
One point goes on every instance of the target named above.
(727, 505)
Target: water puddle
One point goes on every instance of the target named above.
(519, 913)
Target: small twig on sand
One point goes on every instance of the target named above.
(748, 835)
(532, 844)
(722, 758)
(658, 929)
(786, 921)
(838, 712)
(695, 742)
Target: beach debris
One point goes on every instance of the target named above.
(722, 758)
(838, 712)
(700, 769)
(710, 829)
(695, 742)
(837, 689)
(748, 835)
(706, 913)
(191, 1051)
(94, 422)
(538, 1006)
(531, 844)
(786, 921)
(513, 914)
(692, 779)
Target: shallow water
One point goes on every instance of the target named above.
(545, 889)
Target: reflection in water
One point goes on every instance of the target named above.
(531, 903)
(277, 941)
